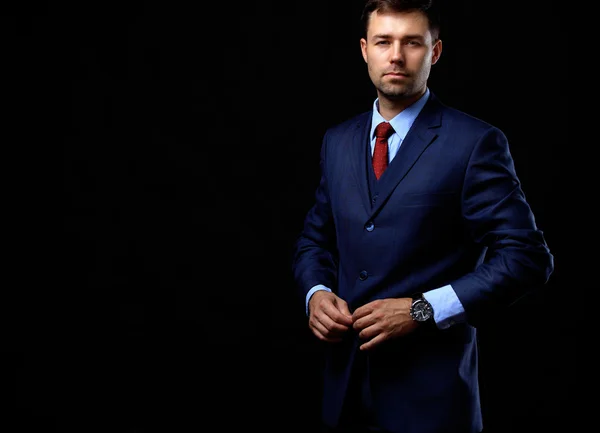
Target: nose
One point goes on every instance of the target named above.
(397, 54)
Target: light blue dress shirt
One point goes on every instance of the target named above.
(447, 308)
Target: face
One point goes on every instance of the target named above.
(399, 51)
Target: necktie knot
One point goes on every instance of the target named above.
(384, 130)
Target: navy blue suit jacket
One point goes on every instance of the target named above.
(448, 210)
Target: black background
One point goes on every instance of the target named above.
(191, 135)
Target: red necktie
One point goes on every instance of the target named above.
(380, 155)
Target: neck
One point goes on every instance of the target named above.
(391, 107)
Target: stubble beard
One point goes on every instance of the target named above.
(395, 92)
(406, 91)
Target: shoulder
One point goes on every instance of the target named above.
(351, 125)
(463, 119)
(463, 122)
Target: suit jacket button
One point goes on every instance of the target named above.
(370, 226)
(363, 275)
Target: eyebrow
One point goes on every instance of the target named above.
(387, 36)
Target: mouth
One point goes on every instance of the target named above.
(396, 74)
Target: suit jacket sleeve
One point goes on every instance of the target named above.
(499, 217)
(315, 258)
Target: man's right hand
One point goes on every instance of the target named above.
(329, 317)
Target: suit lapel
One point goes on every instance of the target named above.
(357, 155)
(419, 137)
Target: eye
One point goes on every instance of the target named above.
(381, 43)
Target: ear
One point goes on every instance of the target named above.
(363, 48)
(437, 51)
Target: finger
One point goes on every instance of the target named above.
(327, 326)
(369, 332)
(373, 342)
(363, 323)
(340, 318)
(337, 316)
(343, 307)
(361, 312)
(324, 334)
(323, 337)
(333, 323)
(320, 331)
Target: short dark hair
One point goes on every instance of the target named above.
(428, 7)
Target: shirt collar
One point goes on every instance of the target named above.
(403, 120)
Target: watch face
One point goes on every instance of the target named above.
(421, 311)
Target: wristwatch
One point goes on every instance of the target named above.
(420, 309)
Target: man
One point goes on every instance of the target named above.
(399, 268)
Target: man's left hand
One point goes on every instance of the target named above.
(382, 320)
